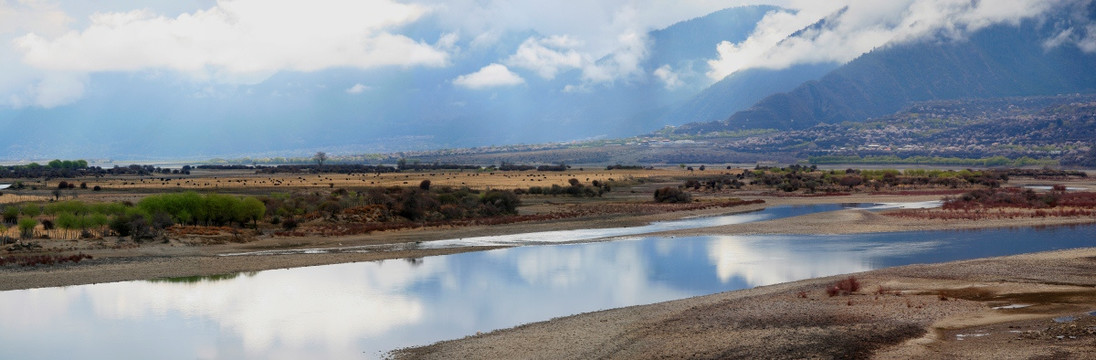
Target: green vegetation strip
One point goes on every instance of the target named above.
(999, 161)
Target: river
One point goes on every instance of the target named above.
(362, 310)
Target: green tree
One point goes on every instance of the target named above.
(26, 227)
(99, 220)
(32, 210)
(250, 209)
(11, 214)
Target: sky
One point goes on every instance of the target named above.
(49, 47)
(52, 50)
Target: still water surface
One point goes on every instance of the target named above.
(362, 310)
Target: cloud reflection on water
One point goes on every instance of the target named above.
(773, 259)
(364, 309)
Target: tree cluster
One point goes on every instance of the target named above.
(505, 166)
(330, 168)
(574, 188)
(1023, 199)
(560, 167)
(403, 164)
(191, 208)
(628, 167)
(391, 204)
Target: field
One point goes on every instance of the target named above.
(63, 215)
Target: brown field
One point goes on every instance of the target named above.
(248, 182)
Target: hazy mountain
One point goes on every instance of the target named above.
(741, 90)
(998, 61)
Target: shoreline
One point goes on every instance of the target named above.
(955, 309)
(155, 261)
(979, 308)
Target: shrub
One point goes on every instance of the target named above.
(501, 200)
(425, 185)
(671, 194)
(211, 209)
(11, 214)
(141, 228)
(26, 227)
(850, 181)
(162, 221)
(289, 223)
(844, 287)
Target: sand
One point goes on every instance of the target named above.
(921, 312)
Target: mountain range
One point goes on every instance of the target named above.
(1002, 60)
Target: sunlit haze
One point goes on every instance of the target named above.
(174, 79)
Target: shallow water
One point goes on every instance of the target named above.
(565, 236)
(1050, 187)
(362, 310)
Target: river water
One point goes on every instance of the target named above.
(362, 310)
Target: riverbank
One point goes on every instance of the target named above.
(985, 308)
(173, 259)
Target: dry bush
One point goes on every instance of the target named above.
(844, 287)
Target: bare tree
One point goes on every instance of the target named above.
(320, 157)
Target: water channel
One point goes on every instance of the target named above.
(362, 310)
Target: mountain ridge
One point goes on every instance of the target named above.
(998, 61)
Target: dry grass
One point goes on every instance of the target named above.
(243, 180)
(9, 198)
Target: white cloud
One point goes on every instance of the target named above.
(1083, 37)
(865, 25)
(771, 30)
(357, 89)
(22, 85)
(47, 46)
(245, 41)
(57, 88)
(623, 62)
(239, 40)
(448, 41)
(1087, 43)
(548, 56)
(494, 75)
(669, 78)
(605, 40)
